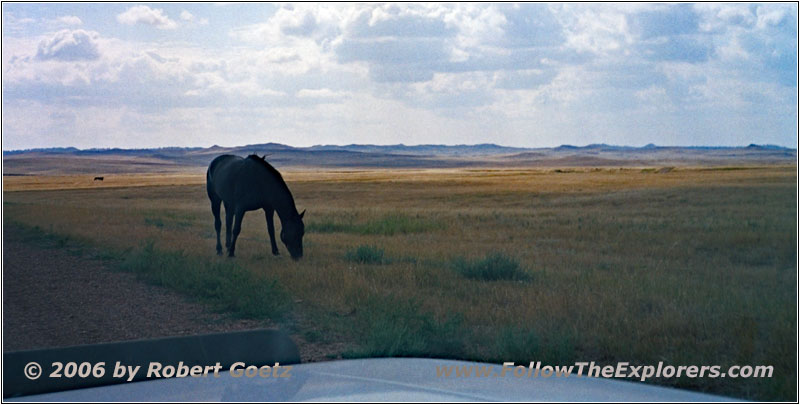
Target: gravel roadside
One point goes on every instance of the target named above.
(52, 298)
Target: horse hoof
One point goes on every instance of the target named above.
(276, 253)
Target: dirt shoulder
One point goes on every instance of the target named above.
(52, 298)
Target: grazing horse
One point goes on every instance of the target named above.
(247, 184)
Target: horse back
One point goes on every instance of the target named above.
(221, 174)
(246, 183)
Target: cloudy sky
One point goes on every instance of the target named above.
(182, 74)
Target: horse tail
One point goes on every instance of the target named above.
(212, 195)
(209, 187)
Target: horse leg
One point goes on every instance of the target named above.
(271, 229)
(237, 227)
(217, 222)
(228, 224)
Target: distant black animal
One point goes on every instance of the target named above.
(247, 184)
(98, 178)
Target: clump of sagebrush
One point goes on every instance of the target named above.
(494, 266)
(225, 285)
(366, 254)
(399, 327)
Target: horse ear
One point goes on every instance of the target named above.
(302, 213)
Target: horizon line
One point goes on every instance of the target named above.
(649, 145)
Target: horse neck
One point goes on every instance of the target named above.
(284, 206)
(283, 203)
(278, 196)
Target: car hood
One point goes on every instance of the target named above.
(372, 380)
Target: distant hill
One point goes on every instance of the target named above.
(425, 150)
(172, 159)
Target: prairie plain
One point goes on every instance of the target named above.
(685, 266)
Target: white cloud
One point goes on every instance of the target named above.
(148, 16)
(773, 15)
(655, 98)
(599, 30)
(296, 22)
(322, 94)
(190, 18)
(69, 45)
(69, 20)
(214, 84)
(13, 24)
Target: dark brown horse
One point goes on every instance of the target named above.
(250, 184)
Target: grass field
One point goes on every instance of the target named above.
(692, 266)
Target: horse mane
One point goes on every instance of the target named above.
(262, 160)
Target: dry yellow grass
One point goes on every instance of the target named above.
(691, 266)
(76, 181)
(561, 179)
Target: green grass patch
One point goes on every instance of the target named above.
(366, 254)
(329, 226)
(522, 345)
(493, 267)
(398, 327)
(224, 284)
(313, 336)
(156, 222)
(388, 225)
(168, 221)
(49, 238)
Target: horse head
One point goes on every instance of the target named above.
(292, 235)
